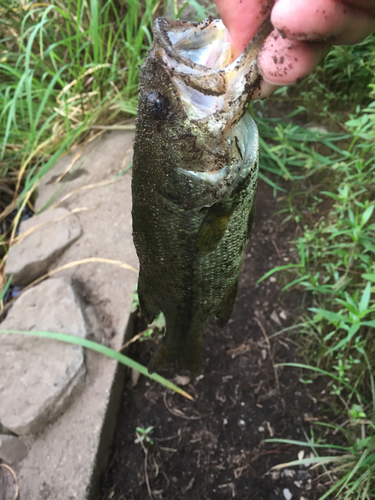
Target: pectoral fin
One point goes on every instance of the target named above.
(213, 228)
(225, 310)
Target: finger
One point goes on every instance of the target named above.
(368, 5)
(243, 19)
(319, 20)
(265, 89)
(282, 61)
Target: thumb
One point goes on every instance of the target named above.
(243, 18)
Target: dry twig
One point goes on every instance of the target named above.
(145, 464)
(270, 351)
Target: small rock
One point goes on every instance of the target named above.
(275, 475)
(135, 374)
(38, 376)
(181, 380)
(303, 475)
(275, 318)
(287, 494)
(264, 354)
(12, 449)
(288, 473)
(241, 423)
(261, 429)
(301, 454)
(298, 484)
(282, 315)
(54, 231)
(270, 429)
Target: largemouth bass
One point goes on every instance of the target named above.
(195, 174)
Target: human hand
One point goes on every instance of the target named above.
(305, 30)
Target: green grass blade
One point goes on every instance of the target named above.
(101, 349)
(277, 269)
(6, 287)
(307, 444)
(328, 374)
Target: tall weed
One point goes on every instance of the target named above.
(335, 264)
(66, 66)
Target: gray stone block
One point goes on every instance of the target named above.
(67, 458)
(53, 231)
(38, 376)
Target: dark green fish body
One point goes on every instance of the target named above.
(195, 172)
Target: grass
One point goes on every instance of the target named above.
(65, 67)
(332, 202)
(336, 253)
(337, 256)
(349, 468)
(104, 350)
(69, 66)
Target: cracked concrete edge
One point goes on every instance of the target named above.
(121, 375)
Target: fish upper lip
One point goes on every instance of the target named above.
(216, 76)
(234, 83)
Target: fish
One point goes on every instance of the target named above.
(195, 172)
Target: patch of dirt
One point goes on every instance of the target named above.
(214, 447)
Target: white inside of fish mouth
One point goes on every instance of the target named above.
(209, 46)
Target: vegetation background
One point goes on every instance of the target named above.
(69, 67)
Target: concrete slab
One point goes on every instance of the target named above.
(43, 238)
(64, 463)
(40, 377)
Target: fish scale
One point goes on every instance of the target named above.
(193, 187)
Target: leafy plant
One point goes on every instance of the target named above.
(144, 435)
(353, 464)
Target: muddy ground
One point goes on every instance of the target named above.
(214, 447)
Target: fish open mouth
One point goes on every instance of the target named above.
(198, 56)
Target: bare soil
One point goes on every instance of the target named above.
(215, 447)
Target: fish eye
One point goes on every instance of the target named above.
(158, 105)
